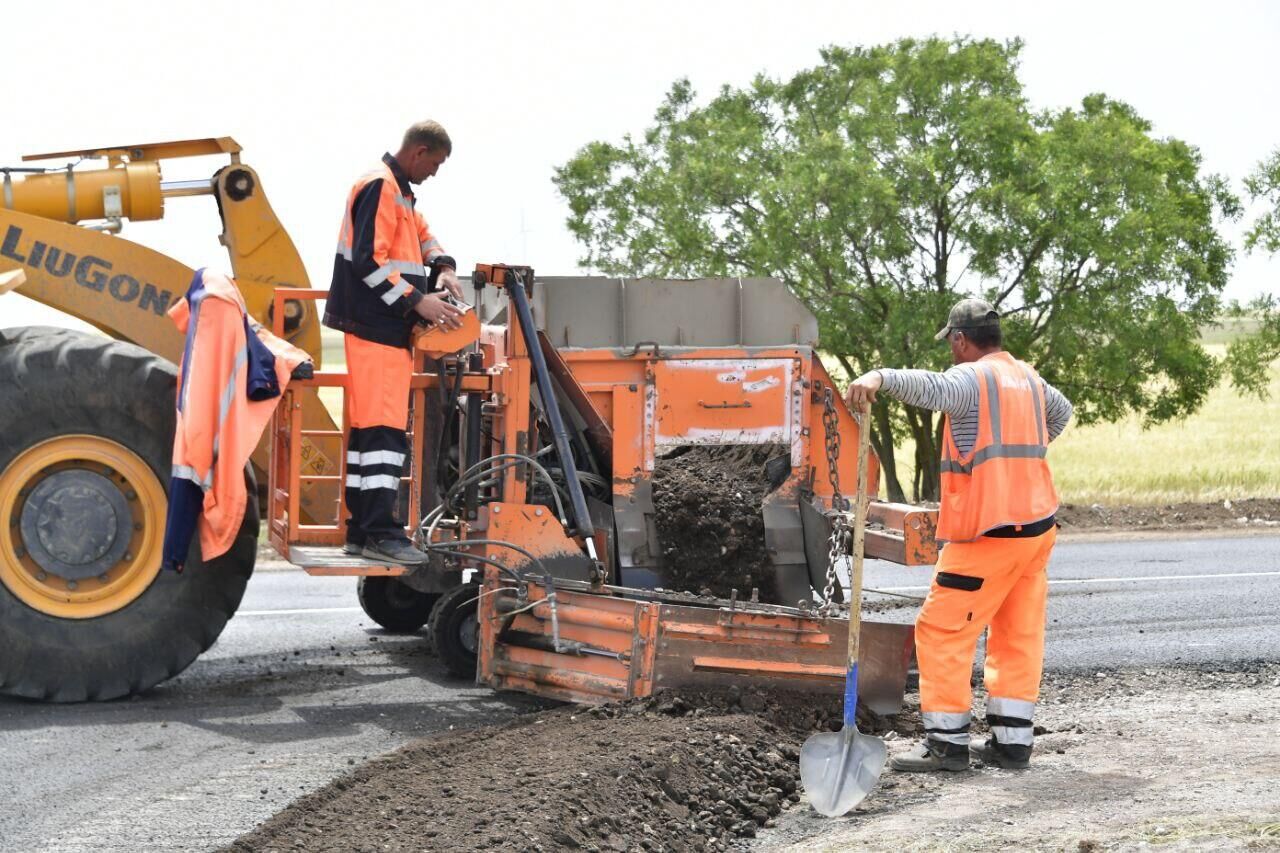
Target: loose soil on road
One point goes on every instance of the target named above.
(687, 772)
(1252, 513)
(1123, 759)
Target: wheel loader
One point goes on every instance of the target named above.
(535, 432)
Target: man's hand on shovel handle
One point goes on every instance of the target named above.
(862, 393)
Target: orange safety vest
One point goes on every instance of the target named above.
(402, 243)
(380, 269)
(218, 424)
(1004, 480)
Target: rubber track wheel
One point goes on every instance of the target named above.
(394, 605)
(450, 617)
(58, 382)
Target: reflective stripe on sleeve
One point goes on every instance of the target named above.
(409, 267)
(186, 472)
(400, 288)
(228, 395)
(353, 481)
(378, 276)
(353, 457)
(432, 249)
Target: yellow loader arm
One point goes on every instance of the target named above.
(124, 288)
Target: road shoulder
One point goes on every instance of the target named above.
(1179, 757)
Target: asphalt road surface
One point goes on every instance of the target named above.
(1145, 602)
(302, 685)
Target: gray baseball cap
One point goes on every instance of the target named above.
(970, 314)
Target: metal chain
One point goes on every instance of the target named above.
(840, 531)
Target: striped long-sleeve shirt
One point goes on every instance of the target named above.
(955, 393)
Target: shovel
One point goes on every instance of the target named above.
(839, 769)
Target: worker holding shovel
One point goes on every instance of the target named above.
(997, 518)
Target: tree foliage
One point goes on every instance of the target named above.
(1250, 357)
(1263, 185)
(887, 182)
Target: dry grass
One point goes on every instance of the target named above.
(1229, 449)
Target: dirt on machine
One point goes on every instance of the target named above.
(624, 485)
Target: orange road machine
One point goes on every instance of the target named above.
(550, 510)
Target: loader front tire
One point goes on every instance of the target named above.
(86, 438)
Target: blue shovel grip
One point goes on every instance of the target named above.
(851, 695)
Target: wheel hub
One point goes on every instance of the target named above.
(76, 524)
(470, 633)
(81, 526)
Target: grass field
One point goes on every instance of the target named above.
(1229, 449)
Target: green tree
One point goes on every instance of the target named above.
(1263, 185)
(1250, 357)
(887, 182)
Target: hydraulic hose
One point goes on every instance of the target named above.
(582, 525)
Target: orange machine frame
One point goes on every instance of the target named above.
(577, 637)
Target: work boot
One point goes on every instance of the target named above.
(1011, 756)
(353, 549)
(396, 552)
(931, 755)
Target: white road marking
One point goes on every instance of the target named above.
(1067, 581)
(298, 610)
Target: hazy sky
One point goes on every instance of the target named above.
(315, 92)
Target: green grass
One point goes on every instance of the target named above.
(1228, 449)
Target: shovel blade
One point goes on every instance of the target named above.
(839, 769)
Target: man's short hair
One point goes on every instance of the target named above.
(430, 134)
(984, 337)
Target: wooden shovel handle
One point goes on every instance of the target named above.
(859, 538)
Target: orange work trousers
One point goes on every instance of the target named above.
(377, 447)
(994, 583)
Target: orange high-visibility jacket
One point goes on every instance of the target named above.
(380, 268)
(228, 386)
(1004, 480)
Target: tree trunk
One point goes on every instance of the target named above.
(928, 461)
(882, 443)
(925, 483)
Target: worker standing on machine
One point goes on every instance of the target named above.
(387, 276)
(997, 516)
